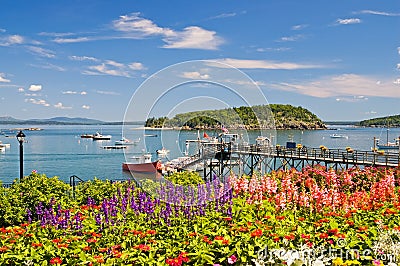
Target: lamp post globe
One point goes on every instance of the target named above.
(21, 139)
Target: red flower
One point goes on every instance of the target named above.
(57, 240)
(280, 218)
(87, 248)
(143, 247)
(36, 245)
(290, 237)
(151, 232)
(96, 234)
(55, 261)
(323, 235)
(91, 240)
(219, 238)
(3, 249)
(256, 233)
(65, 245)
(99, 258)
(333, 231)
(225, 242)
(301, 219)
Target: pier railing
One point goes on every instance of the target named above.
(356, 157)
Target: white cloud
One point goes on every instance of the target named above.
(398, 66)
(69, 92)
(136, 66)
(11, 40)
(348, 21)
(49, 66)
(21, 89)
(263, 64)
(224, 15)
(133, 23)
(3, 79)
(344, 85)
(61, 106)
(299, 27)
(2, 30)
(113, 68)
(398, 50)
(56, 34)
(37, 101)
(108, 92)
(41, 51)
(380, 13)
(194, 38)
(87, 107)
(72, 40)
(195, 75)
(74, 92)
(83, 58)
(292, 38)
(35, 87)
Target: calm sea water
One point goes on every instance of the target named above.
(60, 151)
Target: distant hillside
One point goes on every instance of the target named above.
(51, 121)
(390, 121)
(285, 117)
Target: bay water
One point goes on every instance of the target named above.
(60, 151)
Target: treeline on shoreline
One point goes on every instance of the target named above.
(279, 116)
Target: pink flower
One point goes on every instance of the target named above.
(376, 262)
(232, 259)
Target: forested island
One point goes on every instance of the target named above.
(387, 121)
(280, 116)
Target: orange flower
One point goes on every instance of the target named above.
(87, 248)
(3, 249)
(99, 258)
(91, 240)
(55, 261)
(62, 245)
(290, 237)
(57, 240)
(36, 245)
(151, 232)
(103, 250)
(256, 233)
(323, 235)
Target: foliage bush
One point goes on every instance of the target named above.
(28, 193)
(185, 178)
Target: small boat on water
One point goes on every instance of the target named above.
(162, 152)
(338, 136)
(87, 136)
(142, 164)
(388, 145)
(99, 136)
(125, 141)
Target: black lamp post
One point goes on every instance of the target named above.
(21, 139)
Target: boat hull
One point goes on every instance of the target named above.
(151, 167)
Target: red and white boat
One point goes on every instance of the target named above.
(142, 164)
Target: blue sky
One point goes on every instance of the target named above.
(339, 59)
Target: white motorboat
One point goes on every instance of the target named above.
(99, 136)
(338, 136)
(162, 152)
(125, 141)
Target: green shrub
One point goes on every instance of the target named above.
(35, 188)
(185, 178)
(97, 190)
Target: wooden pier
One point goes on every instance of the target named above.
(222, 158)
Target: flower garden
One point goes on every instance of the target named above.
(309, 217)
